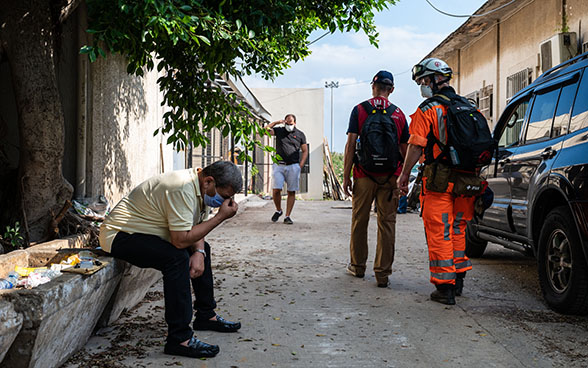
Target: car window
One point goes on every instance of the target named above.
(539, 127)
(580, 111)
(512, 131)
(562, 113)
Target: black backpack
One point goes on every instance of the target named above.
(469, 141)
(377, 147)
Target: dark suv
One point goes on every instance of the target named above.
(540, 183)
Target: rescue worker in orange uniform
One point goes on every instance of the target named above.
(444, 214)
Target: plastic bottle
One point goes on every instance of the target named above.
(454, 156)
(10, 281)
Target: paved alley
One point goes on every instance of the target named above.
(287, 285)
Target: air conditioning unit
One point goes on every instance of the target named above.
(557, 49)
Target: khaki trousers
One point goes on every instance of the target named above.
(365, 190)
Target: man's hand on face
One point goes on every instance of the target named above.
(228, 209)
(196, 264)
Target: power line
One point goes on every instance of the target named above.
(369, 81)
(472, 15)
(311, 42)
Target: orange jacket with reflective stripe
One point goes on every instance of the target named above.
(429, 114)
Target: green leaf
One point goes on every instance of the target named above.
(186, 8)
(86, 49)
(204, 39)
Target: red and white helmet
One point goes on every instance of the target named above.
(431, 66)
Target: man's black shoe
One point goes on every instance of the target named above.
(276, 216)
(288, 221)
(220, 325)
(444, 294)
(195, 349)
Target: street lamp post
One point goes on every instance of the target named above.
(331, 86)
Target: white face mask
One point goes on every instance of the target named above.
(426, 91)
(290, 128)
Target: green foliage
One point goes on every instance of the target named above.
(337, 159)
(13, 236)
(190, 42)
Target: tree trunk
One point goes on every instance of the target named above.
(28, 41)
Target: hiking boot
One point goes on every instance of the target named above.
(276, 216)
(459, 283)
(444, 294)
(288, 220)
(353, 271)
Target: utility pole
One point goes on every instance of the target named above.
(331, 86)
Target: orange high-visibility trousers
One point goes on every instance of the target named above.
(445, 217)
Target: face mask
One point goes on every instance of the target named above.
(426, 91)
(290, 128)
(215, 201)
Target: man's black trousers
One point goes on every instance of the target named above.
(150, 251)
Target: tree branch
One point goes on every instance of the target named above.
(67, 7)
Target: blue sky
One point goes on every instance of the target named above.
(408, 31)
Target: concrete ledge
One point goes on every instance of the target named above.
(132, 288)
(10, 325)
(43, 326)
(59, 316)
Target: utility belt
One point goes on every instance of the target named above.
(438, 176)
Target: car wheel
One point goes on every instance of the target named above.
(563, 273)
(475, 246)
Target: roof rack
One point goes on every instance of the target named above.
(560, 66)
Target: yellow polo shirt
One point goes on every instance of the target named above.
(170, 201)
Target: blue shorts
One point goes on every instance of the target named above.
(287, 173)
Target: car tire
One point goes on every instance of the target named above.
(475, 246)
(563, 273)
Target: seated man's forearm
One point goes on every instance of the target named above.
(185, 239)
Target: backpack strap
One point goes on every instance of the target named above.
(369, 109)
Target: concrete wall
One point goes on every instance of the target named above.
(578, 19)
(511, 45)
(307, 105)
(125, 112)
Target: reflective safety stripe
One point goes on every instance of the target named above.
(465, 264)
(458, 218)
(458, 253)
(441, 263)
(445, 219)
(444, 276)
(441, 125)
(428, 106)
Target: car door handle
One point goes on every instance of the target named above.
(548, 153)
(504, 161)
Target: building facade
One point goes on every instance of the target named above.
(506, 45)
(307, 104)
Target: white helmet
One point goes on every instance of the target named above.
(431, 66)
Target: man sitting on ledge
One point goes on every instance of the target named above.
(161, 224)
